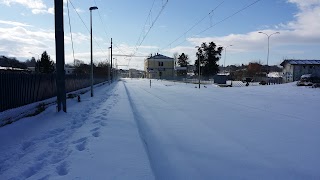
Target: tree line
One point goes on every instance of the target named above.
(45, 65)
(209, 54)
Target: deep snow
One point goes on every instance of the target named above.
(170, 131)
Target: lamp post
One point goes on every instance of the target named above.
(36, 54)
(109, 73)
(114, 72)
(268, 35)
(91, 8)
(225, 57)
(36, 61)
(198, 66)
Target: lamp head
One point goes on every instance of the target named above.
(93, 8)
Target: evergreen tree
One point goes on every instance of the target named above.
(209, 55)
(45, 65)
(183, 62)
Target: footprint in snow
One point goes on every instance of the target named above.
(43, 155)
(62, 169)
(95, 122)
(103, 124)
(81, 144)
(60, 156)
(96, 134)
(61, 138)
(32, 170)
(95, 129)
(80, 140)
(104, 118)
(45, 177)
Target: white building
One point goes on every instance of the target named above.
(294, 69)
(159, 67)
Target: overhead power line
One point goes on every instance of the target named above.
(74, 60)
(144, 26)
(198, 22)
(128, 55)
(226, 18)
(146, 34)
(87, 27)
(104, 26)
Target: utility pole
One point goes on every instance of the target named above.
(59, 38)
(111, 61)
(199, 73)
(90, 9)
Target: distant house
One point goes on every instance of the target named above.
(159, 67)
(13, 70)
(294, 69)
(134, 73)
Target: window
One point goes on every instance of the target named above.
(160, 63)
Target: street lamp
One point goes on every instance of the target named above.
(199, 65)
(225, 57)
(36, 54)
(91, 8)
(268, 35)
(35, 68)
(109, 73)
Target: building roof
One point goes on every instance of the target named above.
(301, 62)
(160, 56)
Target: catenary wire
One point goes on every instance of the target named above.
(226, 18)
(152, 24)
(74, 60)
(87, 27)
(198, 22)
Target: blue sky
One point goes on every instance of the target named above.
(27, 29)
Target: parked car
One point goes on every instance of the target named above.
(308, 80)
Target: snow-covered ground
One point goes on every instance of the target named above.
(170, 131)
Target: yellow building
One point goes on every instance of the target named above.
(159, 67)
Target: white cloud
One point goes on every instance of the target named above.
(77, 37)
(43, 11)
(303, 30)
(19, 41)
(79, 10)
(31, 4)
(13, 23)
(148, 47)
(36, 6)
(303, 4)
(51, 10)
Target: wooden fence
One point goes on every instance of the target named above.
(18, 89)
